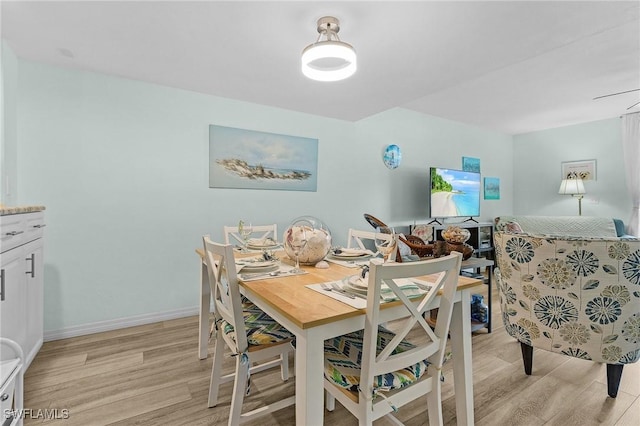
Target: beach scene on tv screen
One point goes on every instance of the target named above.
(454, 193)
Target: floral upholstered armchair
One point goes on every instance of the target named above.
(575, 296)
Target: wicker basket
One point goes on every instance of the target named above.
(420, 248)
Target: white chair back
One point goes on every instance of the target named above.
(447, 269)
(357, 239)
(232, 233)
(379, 358)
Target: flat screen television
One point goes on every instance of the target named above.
(454, 193)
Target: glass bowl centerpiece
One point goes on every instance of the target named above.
(308, 239)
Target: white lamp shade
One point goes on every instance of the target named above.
(329, 61)
(571, 187)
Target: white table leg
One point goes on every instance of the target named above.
(205, 304)
(462, 361)
(309, 379)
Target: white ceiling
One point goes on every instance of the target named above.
(510, 66)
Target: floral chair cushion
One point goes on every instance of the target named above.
(261, 328)
(579, 297)
(343, 356)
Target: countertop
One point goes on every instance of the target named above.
(4, 210)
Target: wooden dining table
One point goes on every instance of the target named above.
(314, 317)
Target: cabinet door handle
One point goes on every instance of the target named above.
(32, 258)
(39, 226)
(14, 233)
(1, 285)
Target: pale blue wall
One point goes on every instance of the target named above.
(122, 167)
(8, 144)
(537, 170)
(431, 141)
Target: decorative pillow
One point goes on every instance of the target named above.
(424, 232)
(513, 227)
(619, 224)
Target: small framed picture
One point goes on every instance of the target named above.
(491, 188)
(470, 164)
(584, 169)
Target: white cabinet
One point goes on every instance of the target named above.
(21, 281)
(33, 254)
(13, 297)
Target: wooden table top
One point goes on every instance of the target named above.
(308, 308)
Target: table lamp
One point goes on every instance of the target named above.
(574, 187)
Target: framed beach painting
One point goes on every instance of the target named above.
(585, 169)
(491, 188)
(470, 164)
(248, 159)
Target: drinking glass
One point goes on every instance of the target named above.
(245, 230)
(297, 241)
(385, 241)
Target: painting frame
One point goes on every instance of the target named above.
(586, 169)
(471, 164)
(252, 159)
(491, 188)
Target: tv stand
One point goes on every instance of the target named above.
(471, 219)
(435, 221)
(480, 265)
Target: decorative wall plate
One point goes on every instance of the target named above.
(392, 156)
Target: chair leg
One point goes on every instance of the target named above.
(527, 357)
(216, 372)
(330, 402)
(284, 367)
(614, 374)
(434, 401)
(239, 390)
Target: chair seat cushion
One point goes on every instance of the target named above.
(261, 328)
(343, 356)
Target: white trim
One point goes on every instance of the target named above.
(115, 324)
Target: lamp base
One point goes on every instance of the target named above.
(579, 197)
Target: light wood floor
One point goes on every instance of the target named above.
(151, 375)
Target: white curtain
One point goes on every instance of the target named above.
(631, 150)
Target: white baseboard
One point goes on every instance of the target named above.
(115, 324)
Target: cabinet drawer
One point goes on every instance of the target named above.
(12, 228)
(18, 229)
(34, 224)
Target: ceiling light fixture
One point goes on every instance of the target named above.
(329, 59)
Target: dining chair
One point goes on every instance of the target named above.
(373, 372)
(232, 233)
(357, 239)
(250, 334)
(11, 382)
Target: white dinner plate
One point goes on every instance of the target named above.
(351, 256)
(262, 247)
